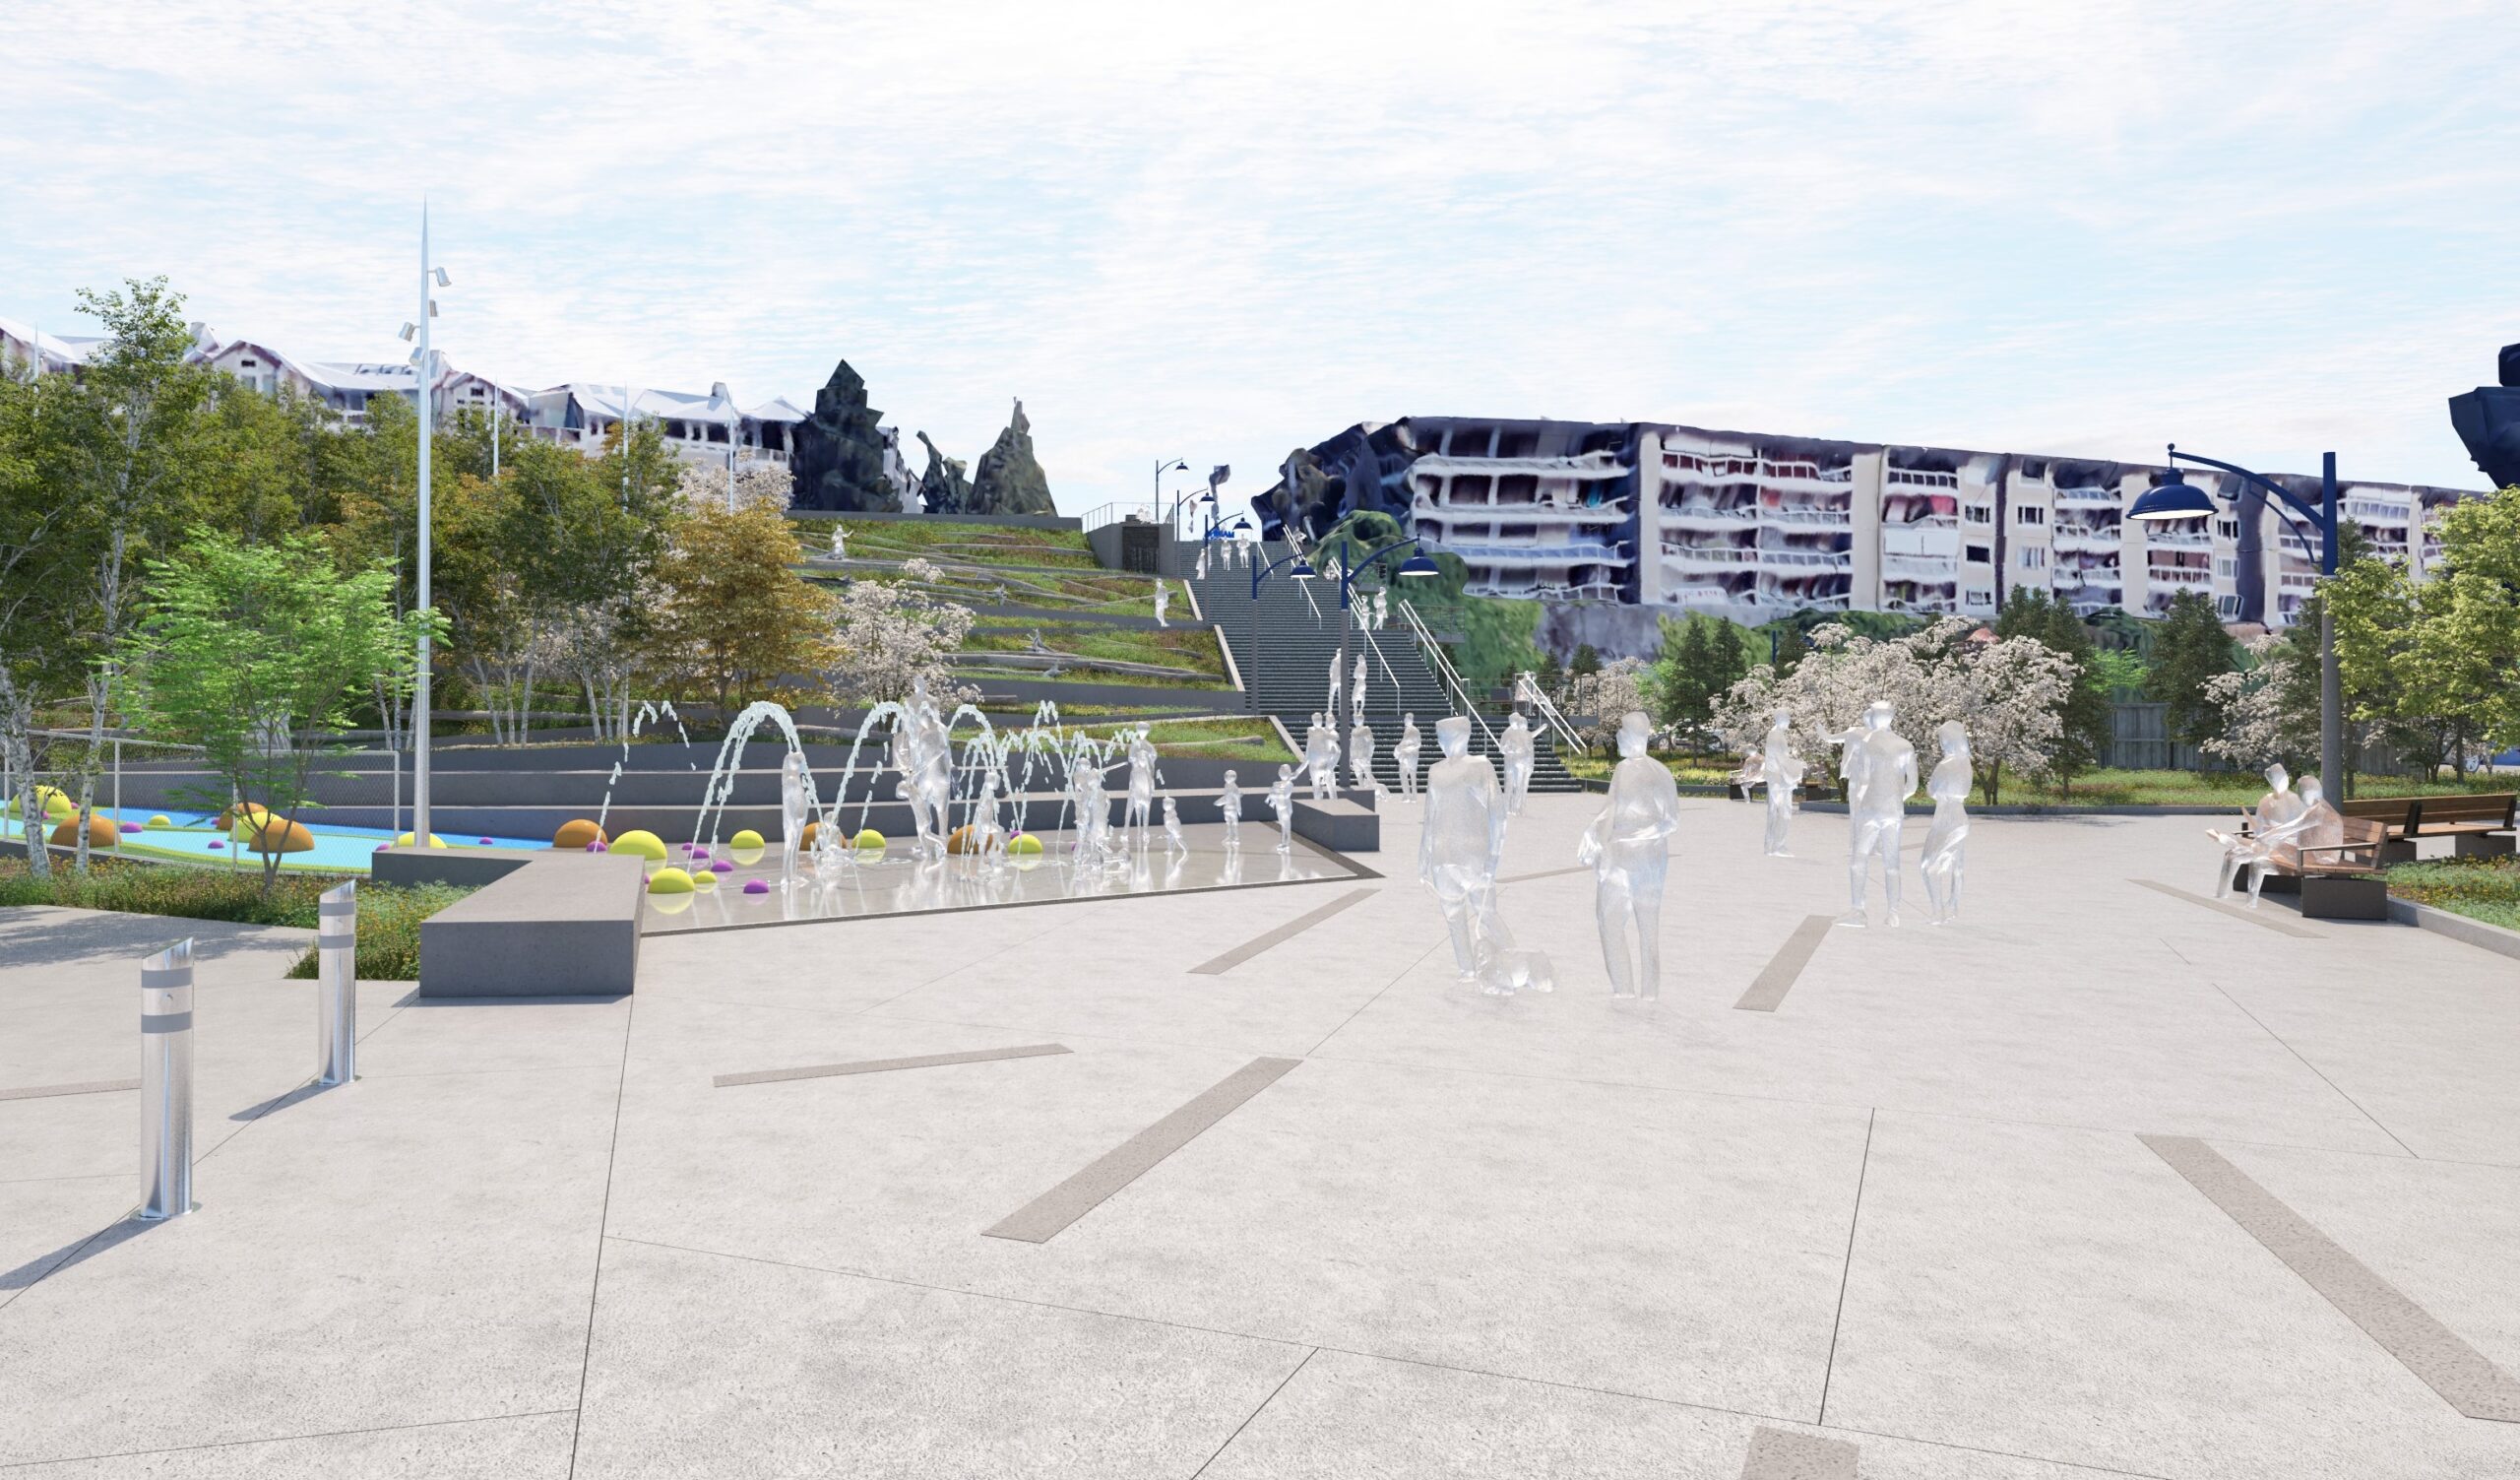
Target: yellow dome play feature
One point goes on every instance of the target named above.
(101, 833)
(703, 879)
(870, 841)
(670, 881)
(640, 843)
(53, 802)
(269, 834)
(576, 833)
(404, 841)
(161, 819)
(747, 846)
(1024, 844)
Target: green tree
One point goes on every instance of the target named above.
(249, 652)
(739, 623)
(2189, 648)
(1586, 663)
(43, 574)
(2085, 711)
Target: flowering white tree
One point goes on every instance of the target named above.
(2258, 728)
(2009, 694)
(756, 482)
(892, 633)
(1597, 701)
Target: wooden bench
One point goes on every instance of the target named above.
(2338, 881)
(2477, 825)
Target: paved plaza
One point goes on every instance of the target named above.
(2105, 1180)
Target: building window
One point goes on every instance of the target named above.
(1978, 597)
(1978, 513)
(2225, 566)
(2030, 513)
(2227, 529)
(2034, 558)
(1979, 554)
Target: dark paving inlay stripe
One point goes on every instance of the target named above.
(1037, 1220)
(1278, 937)
(2237, 912)
(1780, 1454)
(1778, 975)
(881, 1066)
(2405, 1331)
(43, 1091)
(1525, 879)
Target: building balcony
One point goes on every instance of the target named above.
(2191, 576)
(1801, 561)
(1709, 557)
(2087, 498)
(2162, 538)
(1710, 515)
(1807, 515)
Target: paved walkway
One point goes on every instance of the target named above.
(2103, 1180)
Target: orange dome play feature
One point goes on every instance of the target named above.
(576, 833)
(269, 834)
(101, 833)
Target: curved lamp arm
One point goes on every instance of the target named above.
(2313, 515)
(1347, 574)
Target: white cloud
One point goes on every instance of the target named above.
(1221, 231)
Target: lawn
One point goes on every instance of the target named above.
(389, 918)
(2486, 890)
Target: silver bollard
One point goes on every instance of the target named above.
(337, 987)
(167, 1082)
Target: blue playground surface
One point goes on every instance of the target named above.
(337, 849)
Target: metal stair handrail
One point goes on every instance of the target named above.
(1547, 711)
(1443, 666)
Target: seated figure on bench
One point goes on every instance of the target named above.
(2250, 847)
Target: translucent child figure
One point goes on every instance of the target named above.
(1356, 699)
(1163, 599)
(1781, 771)
(1229, 809)
(1173, 847)
(1458, 851)
(839, 541)
(1281, 801)
(1515, 745)
(1880, 771)
(1629, 849)
(924, 753)
(1949, 788)
(1405, 756)
(2252, 844)
(1321, 757)
(1142, 780)
(1360, 755)
(795, 805)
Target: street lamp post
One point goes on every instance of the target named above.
(1416, 566)
(2178, 499)
(425, 373)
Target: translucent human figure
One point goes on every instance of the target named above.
(1321, 757)
(1458, 851)
(1281, 801)
(1203, 562)
(795, 805)
(1229, 809)
(2306, 820)
(1360, 757)
(1142, 779)
(1406, 753)
(1382, 609)
(1173, 847)
(1515, 745)
(1949, 788)
(839, 541)
(1781, 772)
(1336, 676)
(1628, 849)
(924, 753)
(1357, 701)
(2251, 846)
(1880, 771)
(1163, 599)
(1086, 800)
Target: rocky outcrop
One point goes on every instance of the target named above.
(943, 488)
(840, 451)
(1010, 480)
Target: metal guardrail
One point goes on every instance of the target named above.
(1443, 668)
(1550, 719)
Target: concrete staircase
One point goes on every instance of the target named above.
(1283, 649)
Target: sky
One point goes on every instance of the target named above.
(1219, 232)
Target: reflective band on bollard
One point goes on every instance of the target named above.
(167, 1082)
(337, 987)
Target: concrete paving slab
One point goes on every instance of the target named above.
(397, 1250)
(1347, 1415)
(530, 1448)
(705, 1365)
(2065, 1294)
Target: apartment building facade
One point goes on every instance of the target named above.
(1753, 527)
